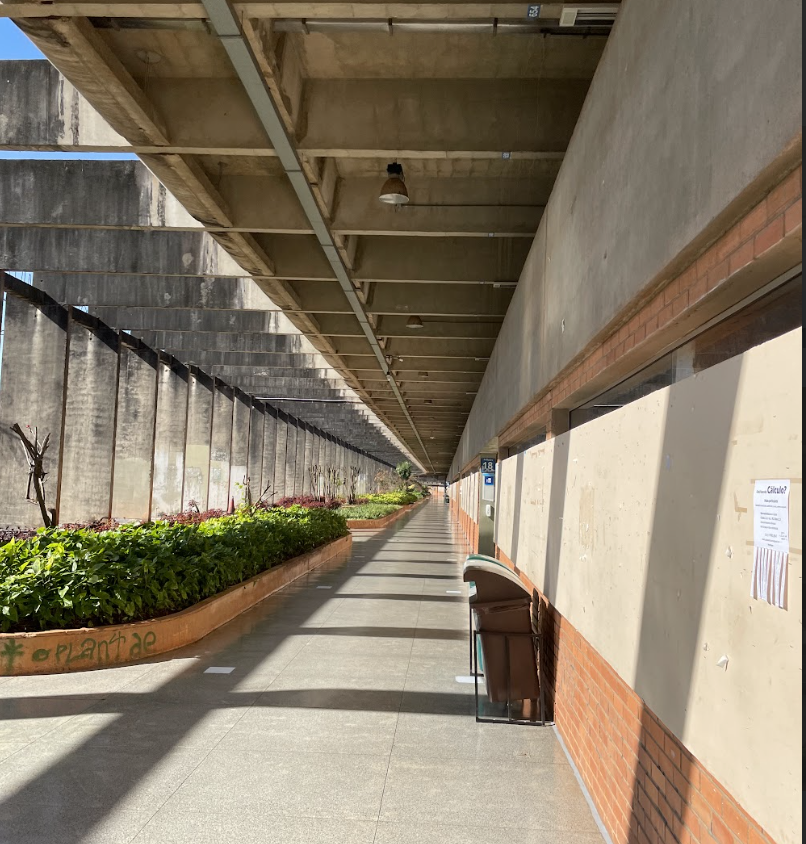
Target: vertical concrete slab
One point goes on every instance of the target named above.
(220, 447)
(198, 441)
(316, 442)
(269, 452)
(330, 451)
(239, 452)
(279, 488)
(254, 464)
(291, 456)
(134, 439)
(31, 393)
(88, 445)
(299, 466)
(307, 458)
(169, 437)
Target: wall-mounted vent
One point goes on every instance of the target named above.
(603, 15)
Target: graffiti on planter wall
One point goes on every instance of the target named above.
(15, 654)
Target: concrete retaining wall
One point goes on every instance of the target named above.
(133, 434)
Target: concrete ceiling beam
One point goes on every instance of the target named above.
(190, 116)
(276, 322)
(125, 194)
(189, 11)
(396, 298)
(152, 253)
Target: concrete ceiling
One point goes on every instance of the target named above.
(479, 122)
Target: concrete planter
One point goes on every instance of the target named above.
(377, 524)
(82, 649)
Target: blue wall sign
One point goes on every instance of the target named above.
(533, 11)
(488, 465)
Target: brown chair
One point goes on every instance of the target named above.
(501, 610)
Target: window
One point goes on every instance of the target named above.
(771, 315)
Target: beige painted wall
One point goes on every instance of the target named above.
(639, 528)
(466, 491)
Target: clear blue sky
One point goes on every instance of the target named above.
(15, 45)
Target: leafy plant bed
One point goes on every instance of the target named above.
(83, 649)
(367, 511)
(382, 521)
(399, 498)
(82, 578)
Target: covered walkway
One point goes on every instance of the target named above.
(329, 713)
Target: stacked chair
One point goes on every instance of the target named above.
(504, 628)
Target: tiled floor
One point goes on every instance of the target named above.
(341, 723)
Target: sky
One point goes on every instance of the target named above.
(15, 45)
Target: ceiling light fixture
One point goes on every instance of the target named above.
(394, 190)
(414, 322)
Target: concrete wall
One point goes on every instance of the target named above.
(307, 461)
(134, 434)
(692, 109)
(292, 432)
(169, 437)
(281, 448)
(270, 445)
(299, 462)
(31, 394)
(134, 437)
(220, 447)
(256, 454)
(90, 405)
(59, 117)
(638, 528)
(241, 442)
(198, 440)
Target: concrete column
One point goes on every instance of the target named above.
(239, 453)
(220, 447)
(88, 446)
(269, 452)
(134, 438)
(254, 463)
(198, 442)
(31, 393)
(169, 437)
(280, 457)
(290, 456)
(299, 467)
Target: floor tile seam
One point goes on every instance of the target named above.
(397, 722)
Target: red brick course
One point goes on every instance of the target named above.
(776, 217)
(647, 787)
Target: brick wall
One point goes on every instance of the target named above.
(647, 787)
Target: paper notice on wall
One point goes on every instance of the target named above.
(770, 541)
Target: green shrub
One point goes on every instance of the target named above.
(367, 511)
(399, 498)
(78, 578)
